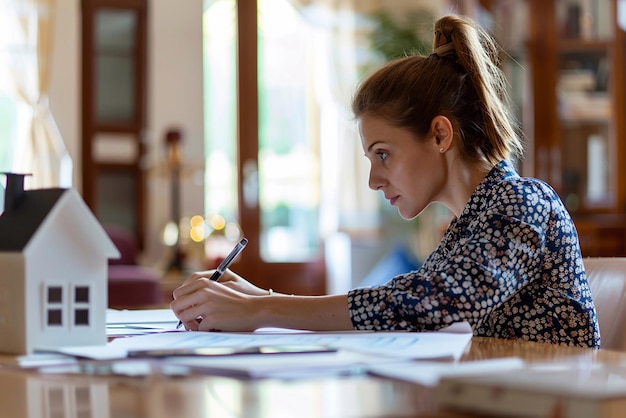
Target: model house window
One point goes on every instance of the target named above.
(81, 305)
(54, 305)
(81, 294)
(57, 306)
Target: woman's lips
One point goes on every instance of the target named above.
(392, 200)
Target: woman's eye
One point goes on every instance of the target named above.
(382, 155)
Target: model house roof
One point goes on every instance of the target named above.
(28, 211)
(19, 224)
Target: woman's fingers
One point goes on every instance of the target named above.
(197, 299)
(198, 275)
(189, 300)
(206, 305)
(190, 287)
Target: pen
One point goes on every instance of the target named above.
(225, 264)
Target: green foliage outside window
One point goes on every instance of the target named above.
(395, 39)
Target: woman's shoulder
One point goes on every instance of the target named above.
(523, 197)
(507, 183)
(505, 192)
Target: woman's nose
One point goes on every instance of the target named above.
(375, 181)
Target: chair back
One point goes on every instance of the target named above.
(607, 279)
(125, 243)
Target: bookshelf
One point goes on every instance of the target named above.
(566, 67)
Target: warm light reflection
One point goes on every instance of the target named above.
(170, 234)
(196, 221)
(199, 229)
(232, 231)
(197, 233)
(217, 222)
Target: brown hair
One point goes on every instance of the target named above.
(461, 80)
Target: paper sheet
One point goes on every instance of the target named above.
(429, 373)
(125, 322)
(283, 366)
(399, 345)
(36, 360)
(140, 316)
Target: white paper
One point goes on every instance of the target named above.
(124, 323)
(429, 373)
(140, 316)
(282, 366)
(399, 345)
(37, 360)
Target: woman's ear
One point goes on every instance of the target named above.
(442, 130)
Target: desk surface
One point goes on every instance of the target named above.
(28, 394)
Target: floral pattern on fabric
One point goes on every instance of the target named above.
(510, 265)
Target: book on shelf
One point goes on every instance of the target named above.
(566, 391)
(578, 79)
(584, 106)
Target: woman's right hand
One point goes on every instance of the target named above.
(202, 304)
(231, 280)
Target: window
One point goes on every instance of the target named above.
(81, 306)
(54, 306)
(57, 305)
(220, 39)
(276, 114)
(55, 294)
(81, 317)
(283, 179)
(11, 115)
(31, 142)
(81, 294)
(8, 118)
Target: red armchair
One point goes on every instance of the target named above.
(130, 284)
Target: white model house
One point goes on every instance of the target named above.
(53, 270)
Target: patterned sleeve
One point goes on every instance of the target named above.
(493, 257)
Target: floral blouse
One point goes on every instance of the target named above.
(510, 265)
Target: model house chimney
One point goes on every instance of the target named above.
(14, 191)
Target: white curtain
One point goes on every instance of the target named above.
(40, 150)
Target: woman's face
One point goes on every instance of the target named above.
(409, 170)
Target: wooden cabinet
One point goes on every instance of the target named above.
(114, 44)
(567, 72)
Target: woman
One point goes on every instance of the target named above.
(436, 129)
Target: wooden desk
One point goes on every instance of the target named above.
(26, 394)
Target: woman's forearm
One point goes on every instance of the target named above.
(316, 313)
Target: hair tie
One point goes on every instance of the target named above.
(444, 50)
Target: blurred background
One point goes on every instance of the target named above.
(188, 124)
